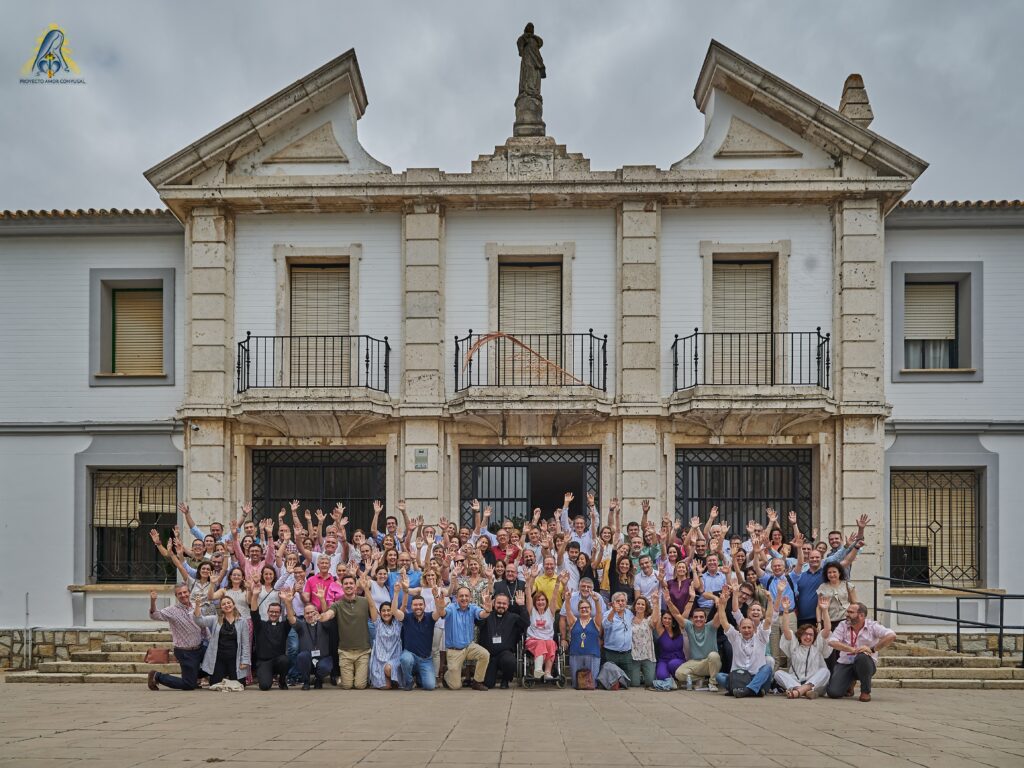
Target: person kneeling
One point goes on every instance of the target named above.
(314, 642)
(807, 675)
(858, 639)
(751, 673)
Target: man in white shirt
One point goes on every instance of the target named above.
(645, 583)
(749, 648)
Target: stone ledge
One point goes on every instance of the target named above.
(939, 592)
(119, 588)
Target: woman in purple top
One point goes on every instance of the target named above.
(679, 586)
(669, 647)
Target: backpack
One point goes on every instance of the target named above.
(739, 678)
(585, 680)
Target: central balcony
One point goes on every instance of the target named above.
(501, 371)
(313, 373)
(751, 370)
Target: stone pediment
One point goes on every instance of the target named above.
(744, 140)
(531, 158)
(306, 128)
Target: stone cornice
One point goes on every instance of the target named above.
(807, 117)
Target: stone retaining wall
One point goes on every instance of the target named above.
(971, 644)
(52, 644)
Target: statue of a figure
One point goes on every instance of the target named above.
(529, 103)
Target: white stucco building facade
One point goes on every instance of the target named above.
(719, 332)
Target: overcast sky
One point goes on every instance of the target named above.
(441, 78)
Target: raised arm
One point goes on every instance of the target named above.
(402, 512)
(711, 521)
(377, 509)
(823, 618)
(645, 507)
(786, 633)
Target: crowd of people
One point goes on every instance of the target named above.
(565, 600)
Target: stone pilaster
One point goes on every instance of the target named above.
(423, 370)
(858, 380)
(209, 362)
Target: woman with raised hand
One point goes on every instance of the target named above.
(386, 653)
(645, 618)
(584, 641)
(228, 654)
(478, 581)
(540, 635)
(808, 675)
(266, 591)
(233, 586)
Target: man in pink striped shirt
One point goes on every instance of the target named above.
(858, 640)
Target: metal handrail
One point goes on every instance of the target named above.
(750, 358)
(313, 361)
(971, 594)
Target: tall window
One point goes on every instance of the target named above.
(930, 325)
(126, 505)
(530, 310)
(935, 525)
(741, 320)
(321, 352)
(137, 345)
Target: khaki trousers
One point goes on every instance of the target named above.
(355, 668)
(708, 668)
(459, 656)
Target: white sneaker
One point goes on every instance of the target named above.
(712, 687)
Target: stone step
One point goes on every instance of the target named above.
(37, 677)
(100, 667)
(939, 661)
(135, 647)
(156, 636)
(137, 656)
(949, 673)
(945, 683)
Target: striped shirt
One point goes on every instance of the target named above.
(185, 633)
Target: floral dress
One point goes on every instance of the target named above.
(387, 649)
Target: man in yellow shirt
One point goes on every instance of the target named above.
(550, 584)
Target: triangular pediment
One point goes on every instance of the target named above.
(318, 146)
(744, 140)
(739, 84)
(309, 127)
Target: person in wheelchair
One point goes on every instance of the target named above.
(500, 634)
(540, 635)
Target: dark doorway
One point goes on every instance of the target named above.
(514, 481)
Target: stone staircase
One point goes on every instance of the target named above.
(904, 665)
(115, 662)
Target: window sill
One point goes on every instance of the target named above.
(940, 592)
(155, 375)
(926, 371)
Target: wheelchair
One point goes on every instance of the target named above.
(524, 667)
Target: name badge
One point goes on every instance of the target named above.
(315, 654)
(496, 639)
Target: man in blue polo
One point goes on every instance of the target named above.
(460, 617)
(417, 640)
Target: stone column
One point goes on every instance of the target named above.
(638, 388)
(423, 369)
(209, 363)
(858, 381)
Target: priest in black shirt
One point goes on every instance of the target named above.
(500, 633)
(270, 641)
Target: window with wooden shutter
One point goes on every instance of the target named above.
(137, 347)
(321, 349)
(929, 325)
(740, 347)
(530, 309)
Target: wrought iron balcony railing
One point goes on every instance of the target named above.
(313, 361)
(792, 358)
(531, 360)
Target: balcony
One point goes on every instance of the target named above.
(499, 371)
(759, 370)
(313, 373)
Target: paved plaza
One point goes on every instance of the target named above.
(119, 726)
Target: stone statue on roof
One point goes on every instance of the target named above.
(529, 103)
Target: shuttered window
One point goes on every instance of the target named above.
(320, 298)
(929, 325)
(739, 349)
(530, 309)
(138, 330)
(320, 353)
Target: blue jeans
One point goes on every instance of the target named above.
(293, 654)
(760, 682)
(424, 668)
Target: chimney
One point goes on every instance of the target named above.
(855, 105)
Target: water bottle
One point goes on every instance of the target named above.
(689, 682)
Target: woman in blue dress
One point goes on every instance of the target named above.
(385, 670)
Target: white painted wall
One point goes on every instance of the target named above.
(44, 316)
(809, 228)
(999, 395)
(594, 298)
(1010, 520)
(37, 479)
(380, 273)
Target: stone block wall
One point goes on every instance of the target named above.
(51, 644)
(970, 644)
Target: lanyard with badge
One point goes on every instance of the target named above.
(314, 639)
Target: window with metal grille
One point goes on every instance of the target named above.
(137, 346)
(935, 527)
(742, 482)
(530, 309)
(741, 323)
(126, 505)
(319, 479)
(930, 325)
(319, 355)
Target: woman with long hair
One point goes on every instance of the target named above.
(808, 673)
(645, 618)
(267, 591)
(621, 577)
(540, 635)
(475, 579)
(228, 654)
